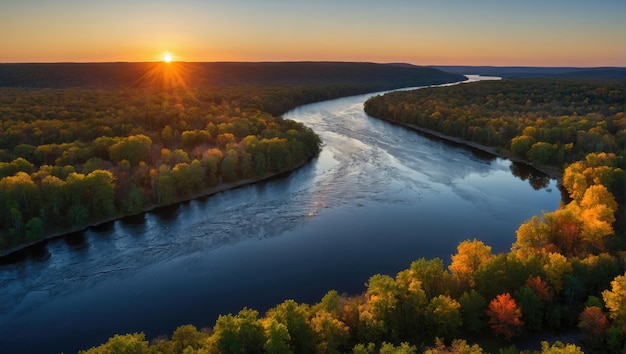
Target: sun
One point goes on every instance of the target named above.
(167, 57)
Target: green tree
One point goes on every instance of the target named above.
(541, 152)
(278, 338)
(243, 333)
(532, 308)
(295, 317)
(122, 344)
(331, 334)
(443, 317)
(473, 307)
(187, 336)
(35, 229)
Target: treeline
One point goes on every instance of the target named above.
(542, 121)
(196, 75)
(70, 158)
(558, 275)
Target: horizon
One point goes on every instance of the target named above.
(308, 61)
(482, 33)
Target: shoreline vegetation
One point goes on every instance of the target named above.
(223, 187)
(156, 134)
(550, 171)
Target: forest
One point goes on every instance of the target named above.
(81, 144)
(564, 273)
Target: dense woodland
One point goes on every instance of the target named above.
(153, 134)
(564, 273)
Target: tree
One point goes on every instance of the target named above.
(134, 148)
(331, 334)
(473, 306)
(470, 255)
(403, 348)
(122, 344)
(615, 301)
(541, 152)
(521, 144)
(443, 317)
(532, 237)
(560, 348)
(243, 333)
(505, 317)
(295, 317)
(34, 229)
(187, 336)
(382, 306)
(555, 267)
(99, 191)
(458, 346)
(434, 278)
(532, 308)
(593, 326)
(278, 338)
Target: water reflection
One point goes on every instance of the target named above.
(536, 179)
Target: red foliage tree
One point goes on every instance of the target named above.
(505, 317)
(593, 324)
(540, 288)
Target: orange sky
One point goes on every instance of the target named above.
(422, 32)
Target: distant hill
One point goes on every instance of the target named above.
(66, 75)
(517, 72)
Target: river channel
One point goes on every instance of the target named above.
(377, 197)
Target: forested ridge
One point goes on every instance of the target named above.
(85, 143)
(564, 272)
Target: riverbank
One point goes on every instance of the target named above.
(550, 171)
(222, 187)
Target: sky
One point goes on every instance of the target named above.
(422, 32)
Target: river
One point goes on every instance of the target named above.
(377, 197)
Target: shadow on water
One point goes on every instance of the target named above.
(76, 241)
(166, 213)
(106, 227)
(36, 253)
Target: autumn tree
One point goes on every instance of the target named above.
(593, 326)
(615, 302)
(470, 255)
(505, 317)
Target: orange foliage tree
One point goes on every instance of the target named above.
(505, 317)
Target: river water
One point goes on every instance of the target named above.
(377, 197)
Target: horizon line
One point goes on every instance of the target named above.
(311, 61)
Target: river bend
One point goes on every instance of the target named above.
(377, 197)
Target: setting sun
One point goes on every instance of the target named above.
(167, 58)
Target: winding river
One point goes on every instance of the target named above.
(377, 197)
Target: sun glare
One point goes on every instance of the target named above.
(167, 58)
